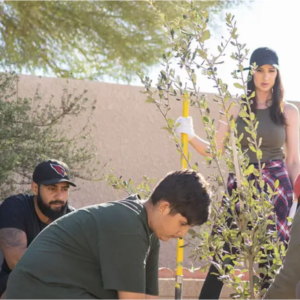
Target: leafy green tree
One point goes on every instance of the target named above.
(87, 39)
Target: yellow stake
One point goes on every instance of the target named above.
(180, 242)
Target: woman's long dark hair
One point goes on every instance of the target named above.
(276, 108)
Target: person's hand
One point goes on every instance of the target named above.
(185, 126)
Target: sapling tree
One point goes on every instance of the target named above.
(241, 217)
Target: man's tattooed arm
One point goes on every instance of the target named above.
(13, 243)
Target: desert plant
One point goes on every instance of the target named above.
(33, 129)
(243, 218)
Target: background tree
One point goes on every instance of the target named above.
(87, 39)
(33, 129)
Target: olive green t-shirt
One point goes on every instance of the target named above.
(273, 137)
(91, 253)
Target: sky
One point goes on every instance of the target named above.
(269, 23)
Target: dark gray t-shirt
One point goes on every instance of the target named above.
(285, 282)
(91, 253)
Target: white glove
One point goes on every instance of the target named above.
(185, 126)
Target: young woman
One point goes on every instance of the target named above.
(278, 126)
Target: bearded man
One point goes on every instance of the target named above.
(24, 216)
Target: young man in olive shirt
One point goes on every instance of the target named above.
(110, 250)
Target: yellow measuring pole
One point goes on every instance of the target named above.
(180, 242)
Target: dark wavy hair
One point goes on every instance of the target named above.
(276, 108)
(188, 194)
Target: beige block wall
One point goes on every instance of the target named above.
(127, 131)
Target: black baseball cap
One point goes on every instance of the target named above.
(264, 56)
(51, 172)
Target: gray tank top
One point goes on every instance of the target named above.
(273, 137)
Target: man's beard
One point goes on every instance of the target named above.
(48, 211)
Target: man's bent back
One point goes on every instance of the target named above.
(91, 253)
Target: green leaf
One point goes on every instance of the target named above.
(249, 170)
(270, 191)
(259, 154)
(252, 95)
(163, 75)
(176, 125)
(256, 172)
(166, 128)
(241, 137)
(252, 116)
(202, 53)
(252, 147)
(238, 85)
(171, 122)
(205, 119)
(194, 78)
(259, 142)
(150, 100)
(262, 184)
(220, 49)
(276, 185)
(243, 114)
(205, 35)
(232, 123)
